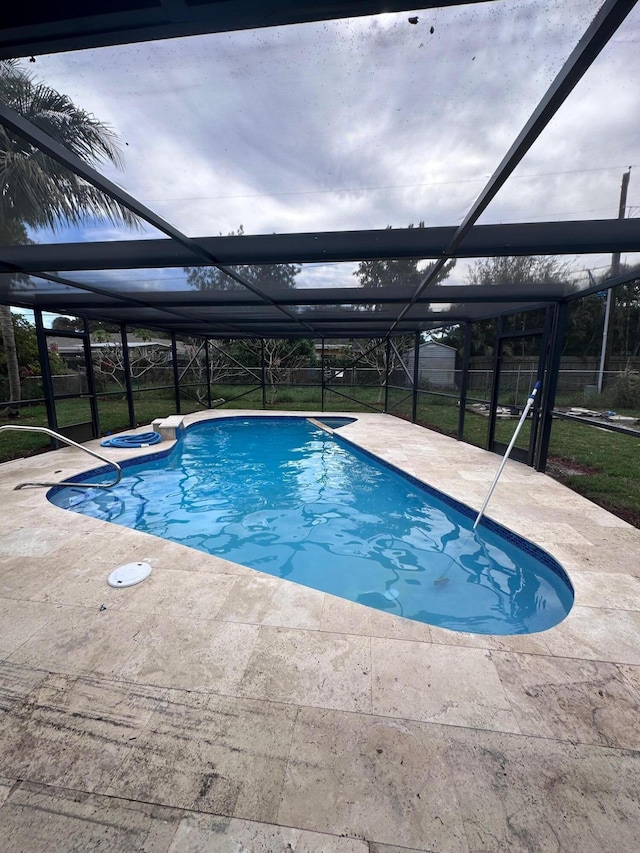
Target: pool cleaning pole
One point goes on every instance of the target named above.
(530, 399)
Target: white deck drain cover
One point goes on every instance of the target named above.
(128, 575)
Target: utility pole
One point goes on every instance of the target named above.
(615, 270)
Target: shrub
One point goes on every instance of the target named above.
(625, 393)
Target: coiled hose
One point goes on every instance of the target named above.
(143, 439)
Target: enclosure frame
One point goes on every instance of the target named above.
(405, 313)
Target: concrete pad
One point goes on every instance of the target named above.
(574, 700)
(194, 654)
(6, 786)
(181, 594)
(531, 795)
(454, 685)
(75, 733)
(212, 754)
(199, 833)
(82, 641)
(340, 616)
(607, 590)
(28, 578)
(21, 620)
(631, 675)
(310, 668)
(534, 644)
(27, 541)
(16, 683)
(373, 778)
(597, 634)
(37, 818)
(265, 600)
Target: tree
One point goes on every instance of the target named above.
(397, 273)
(108, 360)
(374, 353)
(26, 353)
(584, 328)
(483, 337)
(11, 232)
(36, 190)
(505, 272)
(205, 364)
(624, 322)
(392, 274)
(266, 277)
(518, 270)
(76, 324)
(281, 356)
(26, 348)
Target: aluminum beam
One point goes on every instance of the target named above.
(98, 25)
(604, 25)
(17, 123)
(482, 241)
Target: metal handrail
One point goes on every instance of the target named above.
(58, 437)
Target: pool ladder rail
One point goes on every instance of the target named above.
(64, 440)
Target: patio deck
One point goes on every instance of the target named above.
(238, 711)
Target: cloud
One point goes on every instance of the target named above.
(362, 123)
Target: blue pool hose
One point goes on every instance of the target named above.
(143, 439)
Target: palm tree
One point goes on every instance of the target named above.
(36, 191)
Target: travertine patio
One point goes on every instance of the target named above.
(216, 708)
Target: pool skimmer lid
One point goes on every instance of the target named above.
(129, 574)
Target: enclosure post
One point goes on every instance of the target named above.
(126, 363)
(386, 376)
(540, 377)
(416, 374)
(615, 269)
(322, 375)
(176, 376)
(605, 332)
(91, 380)
(551, 384)
(497, 360)
(45, 370)
(207, 368)
(464, 382)
(263, 374)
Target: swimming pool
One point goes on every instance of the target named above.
(281, 495)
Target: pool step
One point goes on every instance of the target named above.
(170, 427)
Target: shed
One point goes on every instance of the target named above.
(436, 364)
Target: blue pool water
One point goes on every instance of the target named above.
(285, 497)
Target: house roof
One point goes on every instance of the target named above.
(65, 344)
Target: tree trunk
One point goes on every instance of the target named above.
(11, 353)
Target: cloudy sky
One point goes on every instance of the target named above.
(363, 123)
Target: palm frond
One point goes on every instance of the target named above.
(34, 188)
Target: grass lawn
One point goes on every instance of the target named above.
(113, 413)
(601, 465)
